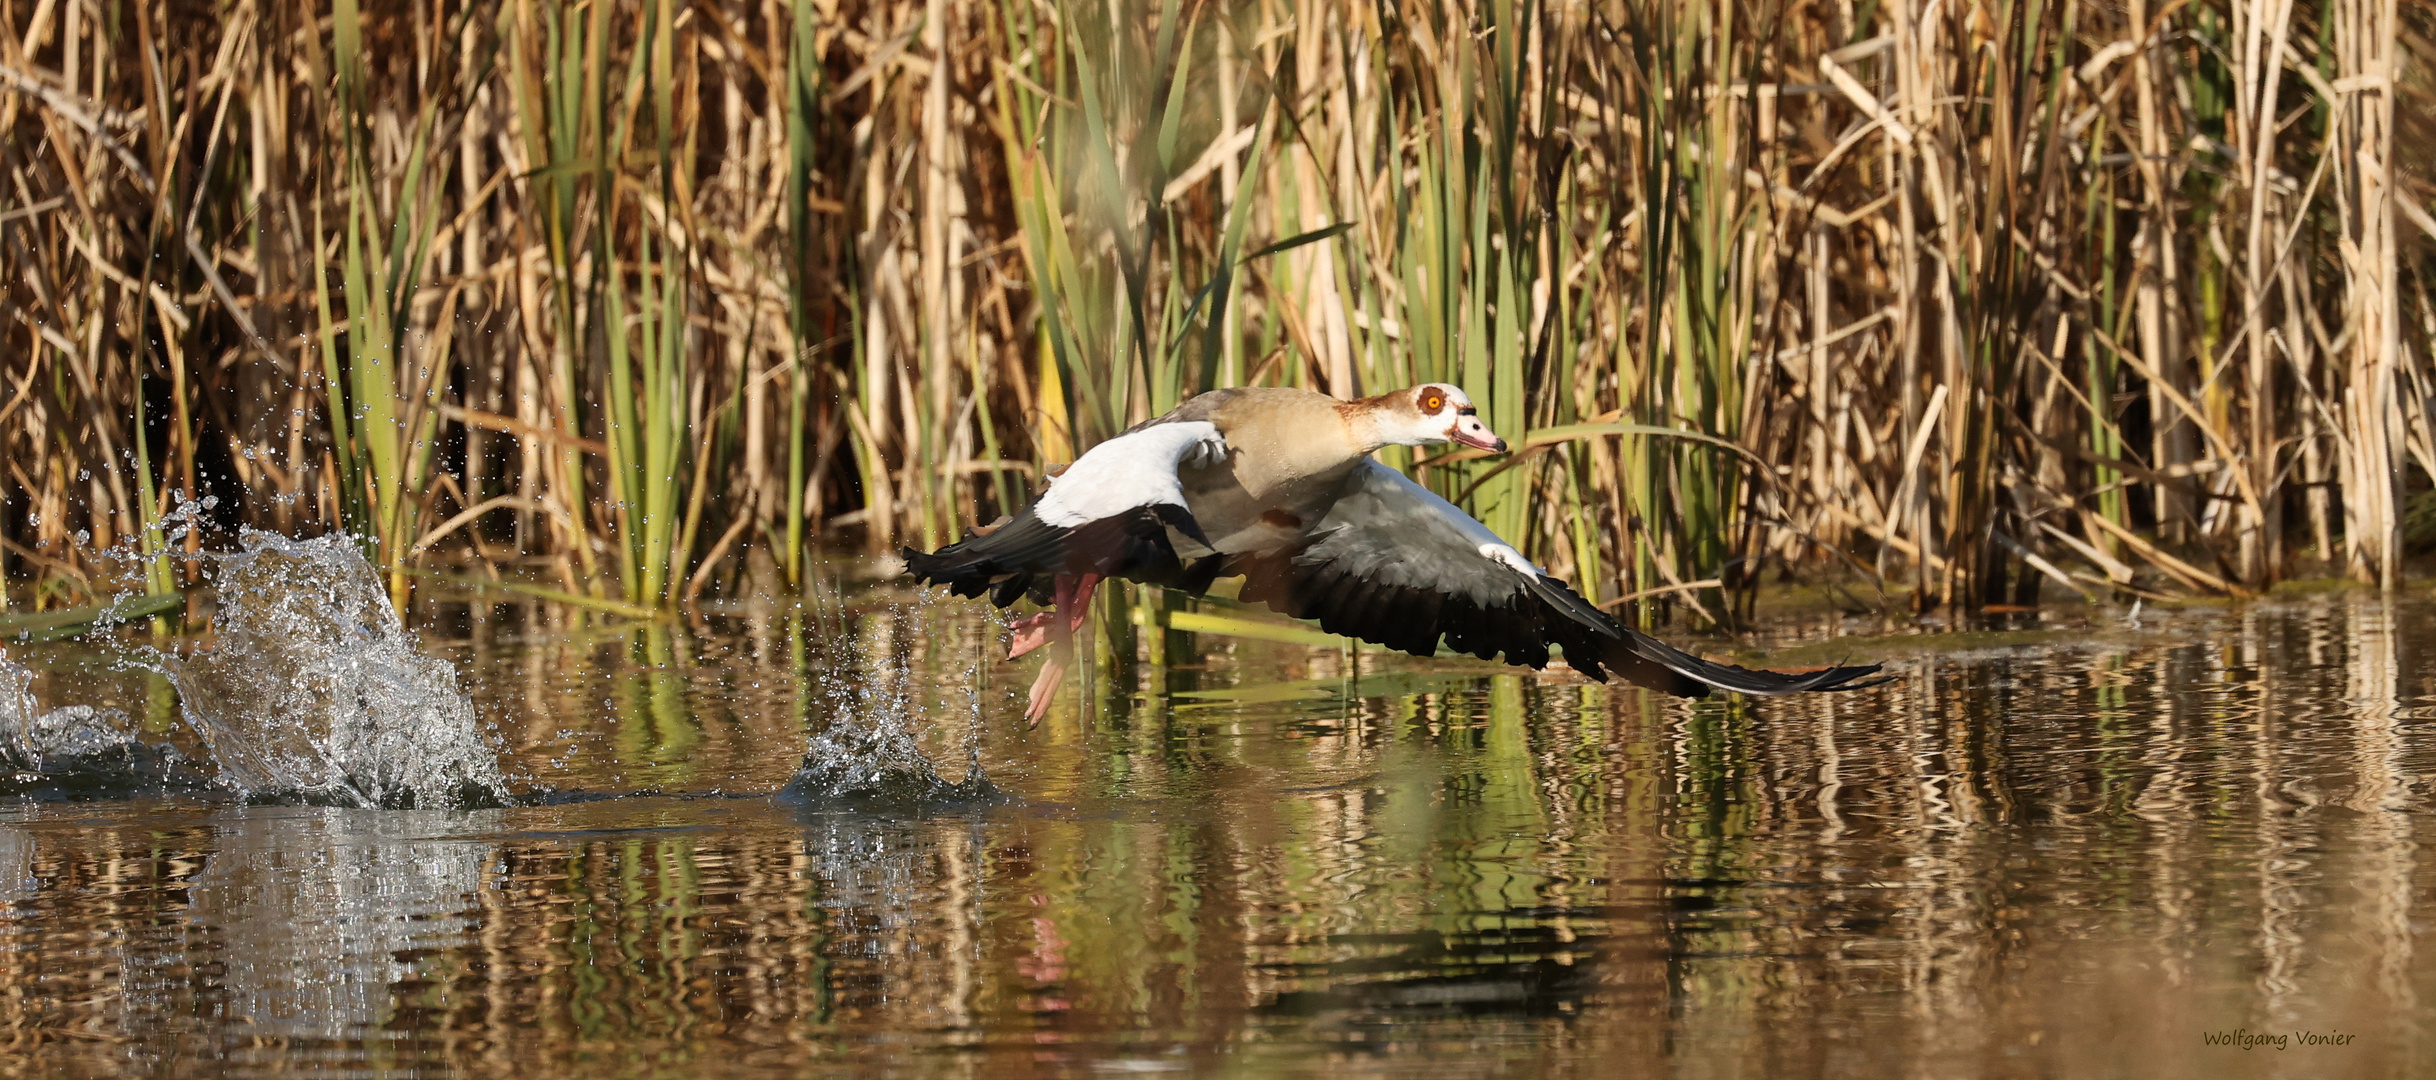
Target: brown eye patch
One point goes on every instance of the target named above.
(1433, 401)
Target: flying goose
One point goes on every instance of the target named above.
(1277, 486)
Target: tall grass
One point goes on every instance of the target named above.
(1970, 301)
(381, 380)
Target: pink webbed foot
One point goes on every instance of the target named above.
(1044, 687)
(1056, 626)
(1031, 632)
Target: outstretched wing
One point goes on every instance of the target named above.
(1116, 512)
(1393, 564)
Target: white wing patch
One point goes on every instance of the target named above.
(1130, 471)
(1510, 558)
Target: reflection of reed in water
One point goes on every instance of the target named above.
(2061, 862)
(2161, 821)
(677, 708)
(2385, 794)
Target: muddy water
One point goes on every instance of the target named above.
(2186, 846)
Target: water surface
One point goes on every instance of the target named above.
(2108, 849)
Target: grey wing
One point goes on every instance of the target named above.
(1199, 407)
(1393, 564)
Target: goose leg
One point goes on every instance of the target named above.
(1073, 602)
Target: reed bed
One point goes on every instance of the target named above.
(1965, 301)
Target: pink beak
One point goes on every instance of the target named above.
(1469, 431)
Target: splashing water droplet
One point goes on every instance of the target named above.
(870, 755)
(314, 690)
(17, 707)
(76, 751)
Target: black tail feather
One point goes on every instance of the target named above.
(1019, 558)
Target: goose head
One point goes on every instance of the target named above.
(1430, 414)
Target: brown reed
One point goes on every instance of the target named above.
(1974, 300)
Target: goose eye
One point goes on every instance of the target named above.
(1432, 402)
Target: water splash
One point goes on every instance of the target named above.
(17, 707)
(77, 751)
(315, 692)
(870, 756)
(34, 741)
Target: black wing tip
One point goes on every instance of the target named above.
(1765, 683)
(1693, 676)
(1845, 677)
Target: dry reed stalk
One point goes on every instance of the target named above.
(2363, 156)
(870, 264)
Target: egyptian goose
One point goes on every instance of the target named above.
(1278, 486)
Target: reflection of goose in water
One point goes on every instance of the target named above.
(1521, 961)
(1277, 486)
